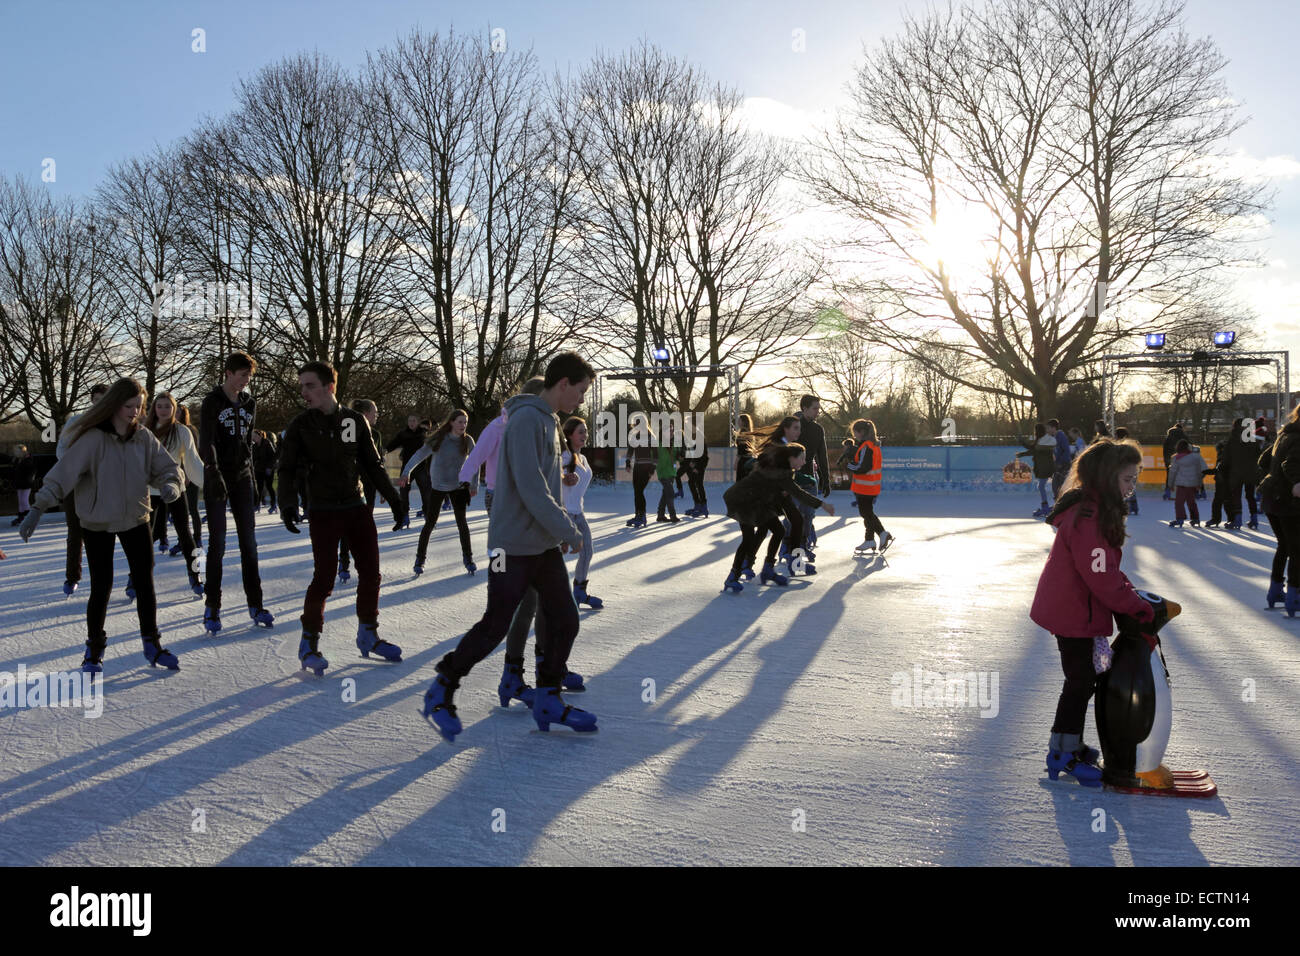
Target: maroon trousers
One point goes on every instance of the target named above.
(1186, 496)
(328, 528)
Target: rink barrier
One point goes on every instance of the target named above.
(920, 467)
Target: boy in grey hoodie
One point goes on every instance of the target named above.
(528, 534)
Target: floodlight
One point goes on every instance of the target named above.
(661, 355)
(1224, 339)
(1155, 340)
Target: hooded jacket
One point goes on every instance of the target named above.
(485, 452)
(334, 459)
(226, 434)
(1081, 586)
(1187, 470)
(111, 476)
(527, 516)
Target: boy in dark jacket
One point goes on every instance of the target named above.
(226, 448)
(332, 447)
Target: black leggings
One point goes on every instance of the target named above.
(181, 520)
(432, 508)
(641, 475)
(1080, 682)
(192, 492)
(867, 508)
(139, 561)
(1286, 557)
(751, 536)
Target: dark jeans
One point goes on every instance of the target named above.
(751, 536)
(1235, 487)
(265, 486)
(1220, 500)
(641, 475)
(1058, 479)
(1286, 558)
(432, 508)
(527, 612)
(343, 542)
(192, 493)
(328, 529)
(545, 573)
(867, 509)
(697, 488)
(419, 477)
(181, 519)
(1080, 682)
(241, 508)
(73, 571)
(138, 546)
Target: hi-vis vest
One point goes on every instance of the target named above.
(867, 482)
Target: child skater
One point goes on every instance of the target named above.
(448, 446)
(1082, 588)
(756, 501)
(575, 479)
(110, 462)
(1186, 472)
(865, 466)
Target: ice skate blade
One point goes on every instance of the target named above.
(545, 731)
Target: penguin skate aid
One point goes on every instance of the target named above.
(1135, 711)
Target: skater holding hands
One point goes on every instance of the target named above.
(1082, 588)
(756, 501)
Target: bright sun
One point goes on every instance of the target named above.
(963, 239)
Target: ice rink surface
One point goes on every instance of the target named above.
(765, 727)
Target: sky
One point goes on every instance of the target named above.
(91, 83)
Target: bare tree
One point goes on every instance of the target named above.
(1078, 143)
(679, 211)
(293, 176)
(52, 300)
(480, 182)
(934, 371)
(142, 203)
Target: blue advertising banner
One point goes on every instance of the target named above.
(962, 467)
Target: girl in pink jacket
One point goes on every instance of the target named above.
(1082, 587)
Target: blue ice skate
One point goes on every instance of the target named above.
(369, 642)
(439, 709)
(549, 708)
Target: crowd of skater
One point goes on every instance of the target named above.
(128, 467)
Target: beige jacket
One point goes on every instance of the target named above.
(182, 446)
(111, 478)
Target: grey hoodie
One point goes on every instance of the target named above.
(527, 516)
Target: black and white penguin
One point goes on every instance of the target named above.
(1134, 704)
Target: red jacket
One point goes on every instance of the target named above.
(1081, 585)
